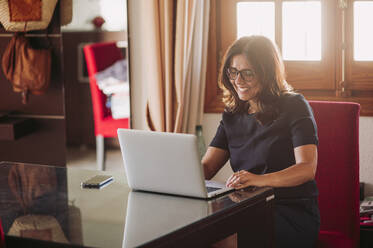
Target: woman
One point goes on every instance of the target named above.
(269, 134)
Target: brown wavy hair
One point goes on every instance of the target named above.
(269, 70)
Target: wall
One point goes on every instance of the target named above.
(85, 10)
(366, 153)
(210, 122)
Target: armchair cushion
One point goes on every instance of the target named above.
(328, 239)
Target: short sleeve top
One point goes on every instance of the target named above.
(269, 148)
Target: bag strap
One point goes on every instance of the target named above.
(24, 92)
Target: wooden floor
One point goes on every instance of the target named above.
(85, 158)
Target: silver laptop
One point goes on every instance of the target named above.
(165, 163)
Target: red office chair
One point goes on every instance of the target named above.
(337, 173)
(98, 57)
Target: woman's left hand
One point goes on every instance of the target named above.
(242, 179)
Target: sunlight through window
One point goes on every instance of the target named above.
(363, 37)
(301, 30)
(256, 18)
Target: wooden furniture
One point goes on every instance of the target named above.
(115, 216)
(46, 143)
(366, 235)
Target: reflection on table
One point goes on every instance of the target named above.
(152, 215)
(47, 204)
(33, 202)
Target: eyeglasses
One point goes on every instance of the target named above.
(247, 75)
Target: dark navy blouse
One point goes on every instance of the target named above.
(269, 148)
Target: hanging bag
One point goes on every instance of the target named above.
(27, 68)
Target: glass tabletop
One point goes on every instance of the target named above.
(48, 203)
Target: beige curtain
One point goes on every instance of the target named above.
(176, 90)
(158, 63)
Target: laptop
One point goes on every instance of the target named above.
(165, 163)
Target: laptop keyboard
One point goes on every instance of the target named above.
(211, 189)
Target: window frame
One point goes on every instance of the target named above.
(359, 74)
(358, 84)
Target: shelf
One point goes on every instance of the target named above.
(12, 128)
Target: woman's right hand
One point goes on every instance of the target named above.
(242, 179)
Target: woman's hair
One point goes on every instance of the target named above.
(269, 71)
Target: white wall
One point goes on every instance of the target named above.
(366, 153)
(210, 122)
(113, 12)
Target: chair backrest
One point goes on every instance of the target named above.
(98, 57)
(2, 239)
(337, 173)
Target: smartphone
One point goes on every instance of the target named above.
(97, 181)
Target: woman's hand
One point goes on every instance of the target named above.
(302, 171)
(243, 179)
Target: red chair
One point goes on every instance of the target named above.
(99, 56)
(337, 173)
(2, 239)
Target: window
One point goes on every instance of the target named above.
(359, 53)
(363, 37)
(256, 18)
(326, 45)
(301, 31)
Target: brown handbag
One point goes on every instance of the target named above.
(28, 69)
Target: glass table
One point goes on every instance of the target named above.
(46, 206)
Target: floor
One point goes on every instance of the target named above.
(85, 158)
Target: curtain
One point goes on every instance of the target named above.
(158, 63)
(176, 92)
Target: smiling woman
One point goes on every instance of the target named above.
(269, 135)
(243, 80)
(257, 58)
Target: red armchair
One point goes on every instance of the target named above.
(2, 239)
(98, 57)
(337, 173)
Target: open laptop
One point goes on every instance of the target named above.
(165, 163)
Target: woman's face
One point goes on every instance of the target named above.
(242, 77)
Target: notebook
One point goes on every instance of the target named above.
(165, 163)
